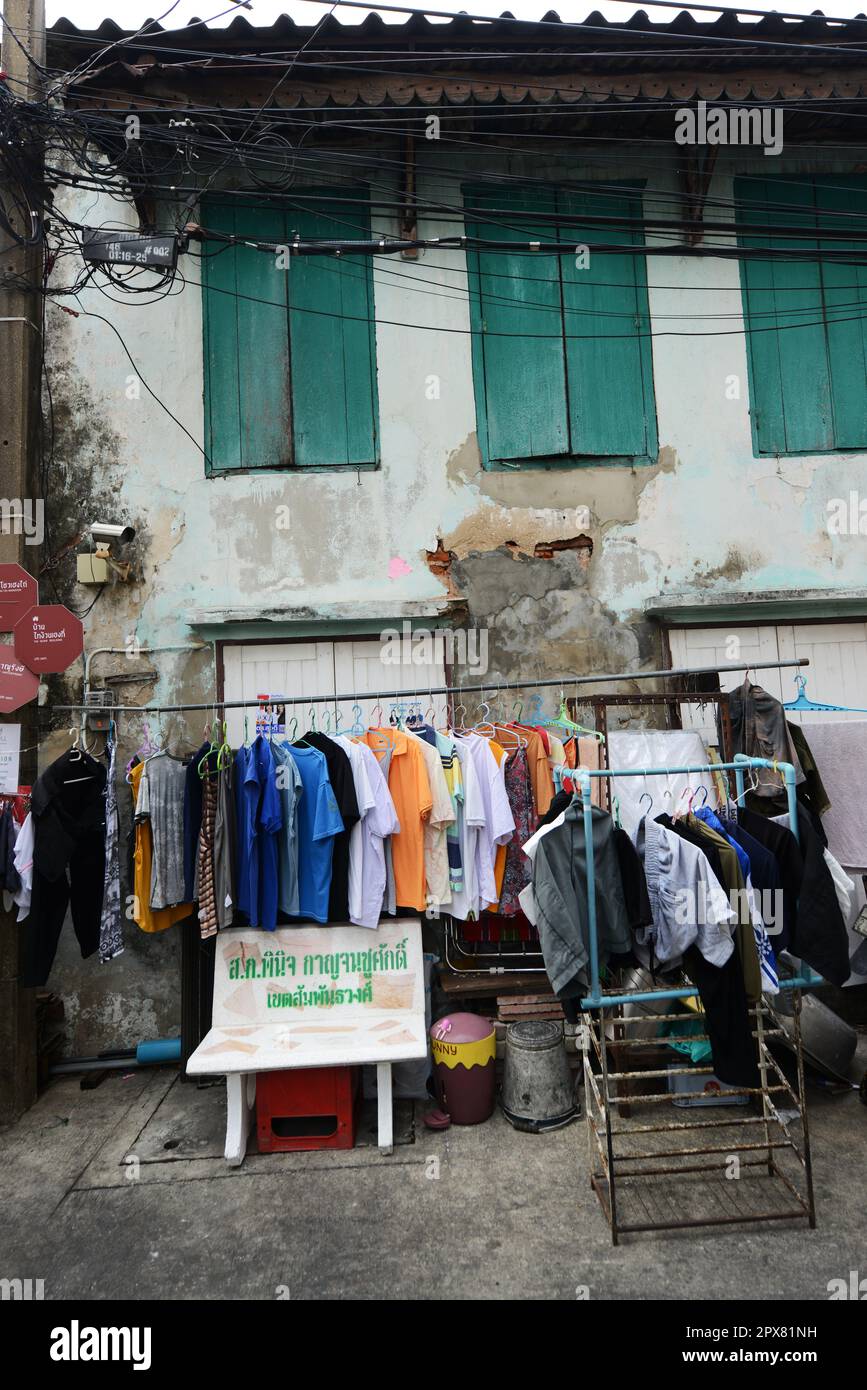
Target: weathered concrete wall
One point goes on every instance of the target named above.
(707, 518)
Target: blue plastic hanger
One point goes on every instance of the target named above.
(803, 702)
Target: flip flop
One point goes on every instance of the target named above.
(437, 1119)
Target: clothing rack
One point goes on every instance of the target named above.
(490, 687)
(611, 1170)
(527, 955)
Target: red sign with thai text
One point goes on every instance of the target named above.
(48, 638)
(18, 592)
(17, 685)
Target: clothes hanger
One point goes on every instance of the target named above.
(78, 755)
(803, 702)
(212, 732)
(356, 729)
(503, 735)
(224, 752)
(561, 719)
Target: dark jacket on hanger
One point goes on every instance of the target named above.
(635, 895)
(68, 808)
(817, 932)
(759, 729)
(560, 891)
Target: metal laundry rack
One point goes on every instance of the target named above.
(506, 956)
(622, 1179)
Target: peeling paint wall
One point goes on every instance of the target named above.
(556, 564)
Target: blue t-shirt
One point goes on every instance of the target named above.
(291, 788)
(260, 819)
(319, 821)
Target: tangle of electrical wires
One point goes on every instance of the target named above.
(21, 189)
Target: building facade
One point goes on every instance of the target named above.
(616, 420)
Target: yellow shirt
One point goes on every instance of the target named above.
(149, 918)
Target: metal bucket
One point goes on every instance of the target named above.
(538, 1087)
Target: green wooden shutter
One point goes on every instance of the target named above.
(220, 319)
(612, 411)
(247, 398)
(845, 296)
(332, 337)
(790, 380)
(516, 318)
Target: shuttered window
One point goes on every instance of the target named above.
(290, 354)
(562, 361)
(806, 319)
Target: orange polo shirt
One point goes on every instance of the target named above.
(410, 790)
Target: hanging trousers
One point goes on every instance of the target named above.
(79, 887)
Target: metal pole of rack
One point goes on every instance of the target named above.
(495, 684)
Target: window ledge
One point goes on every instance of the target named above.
(570, 461)
(294, 470)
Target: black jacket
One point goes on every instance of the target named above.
(66, 811)
(817, 932)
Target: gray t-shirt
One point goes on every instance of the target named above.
(290, 787)
(161, 800)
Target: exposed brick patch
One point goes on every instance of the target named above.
(440, 563)
(546, 550)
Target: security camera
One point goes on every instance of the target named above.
(99, 565)
(104, 532)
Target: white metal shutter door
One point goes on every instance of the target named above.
(300, 670)
(294, 669)
(359, 667)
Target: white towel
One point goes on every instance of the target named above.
(839, 748)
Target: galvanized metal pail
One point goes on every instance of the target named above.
(538, 1087)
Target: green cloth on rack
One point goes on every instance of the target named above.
(697, 1049)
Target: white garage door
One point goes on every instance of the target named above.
(837, 653)
(292, 672)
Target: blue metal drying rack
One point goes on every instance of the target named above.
(597, 1002)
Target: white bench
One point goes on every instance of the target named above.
(312, 997)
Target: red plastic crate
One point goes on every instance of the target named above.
(309, 1108)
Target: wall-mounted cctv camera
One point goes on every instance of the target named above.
(99, 565)
(104, 532)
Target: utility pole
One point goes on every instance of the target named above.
(20, 355)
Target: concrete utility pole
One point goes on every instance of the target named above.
(20, 350)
